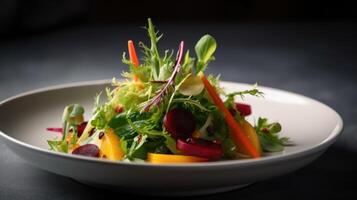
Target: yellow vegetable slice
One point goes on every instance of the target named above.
(110, 147)
(191, 86)
(166, 158)
(249, 131)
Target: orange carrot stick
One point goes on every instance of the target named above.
(132, 53)
(236, 132)
(133, 57)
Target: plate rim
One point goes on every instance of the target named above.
(332, 137)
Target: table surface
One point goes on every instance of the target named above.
(315, 59)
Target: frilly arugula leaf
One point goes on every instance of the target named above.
(191, 102)
(154, 53)
(230, 102)
(253, 92)
(96, 105)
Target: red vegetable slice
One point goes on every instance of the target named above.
(179, 123)
(201, 148)
(80, 129)
(244, 109)
(90, 150)
(59, 130)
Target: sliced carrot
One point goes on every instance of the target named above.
(132, 53)
(133, 57)
(237, 133)
(167, 158)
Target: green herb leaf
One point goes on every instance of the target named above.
(229, 148)
(118, 121)
(191, 102)
(59, 146)
(205, 49)
(96, 105)
(188, 63)
(269, 145)
(268, 135)
(75, 110)
(274, 128)
(154, 53)
(171, 144)
(253, 92)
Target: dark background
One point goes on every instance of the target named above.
(308, 47)
(21, 17)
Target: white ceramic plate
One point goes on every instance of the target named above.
(311, 125)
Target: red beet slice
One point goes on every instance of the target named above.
(179, 123)
(200, 148)
(90, 150)
(81, 128)
(244, 109)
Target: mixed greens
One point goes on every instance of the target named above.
(165, 110)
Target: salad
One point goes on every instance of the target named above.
(167, 110)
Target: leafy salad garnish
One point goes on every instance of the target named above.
(166, 110)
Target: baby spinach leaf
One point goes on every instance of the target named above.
(205, 49)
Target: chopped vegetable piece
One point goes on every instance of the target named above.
(251, 135)
(132, 53)
(167, 158)
(80, 129)
(90, 150)
(192, 85)
(200, 148)
(110, 147)
(133, 57)
(244, 109)
(179, 123)
(59, 130)
(237, 132)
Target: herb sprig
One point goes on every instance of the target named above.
(268, 134)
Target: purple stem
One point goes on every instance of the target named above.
(156, 100)
(58, 130)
